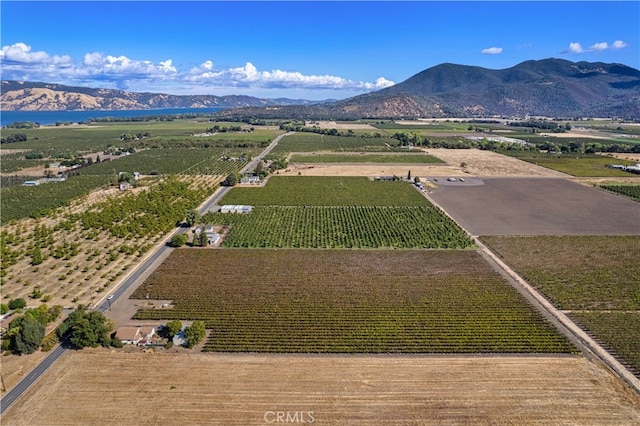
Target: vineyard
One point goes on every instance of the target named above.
(327, 191)
(19, 202)
(368, 158)
(595, 277)
(574, 164)
(195, 161)
(342, 227)
(313, 142)
(632, 191)
(336, 301)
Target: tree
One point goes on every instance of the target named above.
(195, 333)
(29, 335)
(416, 179)
(463, 165)
(18, 303)
(200, 239)
(192, 216)
(87, 328)
(4, 308)
(409, 175)
(173, 328)
(178, 240)
(232, 179)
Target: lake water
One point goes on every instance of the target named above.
(53, 117)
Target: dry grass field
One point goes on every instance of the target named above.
(99, 387)
(478, 163)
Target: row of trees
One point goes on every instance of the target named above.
(27, 332)
(193, 334)
(14, 137)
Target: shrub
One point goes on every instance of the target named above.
(17, 303)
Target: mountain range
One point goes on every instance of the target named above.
(36, 96)
(548, 87)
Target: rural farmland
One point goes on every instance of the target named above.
(369, 293)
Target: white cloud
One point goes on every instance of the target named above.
(599, 46)
(619, 44)
(19, 62)
(20, 53)
(249, 76)
(575, 48)
(492, 51)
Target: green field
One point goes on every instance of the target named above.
(314, 142)
(575, 165)
(18, 202)
(327, 191)
(329, 301)
(366, 158)
(204, 161)
(597, 277)
(342, 227)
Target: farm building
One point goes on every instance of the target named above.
(212, 236)
(229, 208)
(250, 179)
(135, 335)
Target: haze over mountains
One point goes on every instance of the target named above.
(549, 87)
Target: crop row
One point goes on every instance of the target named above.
(24, 201)
(596, 277)
(428, 301)
(175, 160)
(327, 191)
(311, 142)
(632, 191)
(342, 227)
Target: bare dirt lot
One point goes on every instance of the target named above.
(477, 163)
(370, 170)
(487, 163)
(133, 388)
(543, 206)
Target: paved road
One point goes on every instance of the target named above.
(103, 305)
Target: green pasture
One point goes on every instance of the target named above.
(327, 191)
(314, 142)
(582, 167)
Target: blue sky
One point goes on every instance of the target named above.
(311, 50)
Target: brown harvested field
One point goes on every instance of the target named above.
(521, 206)
(105, 388)
(370, 170)
(487, 163)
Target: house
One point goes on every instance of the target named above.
(135, 335)
(128, 335)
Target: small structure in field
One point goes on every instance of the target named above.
(229, 208)
(250, 179)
